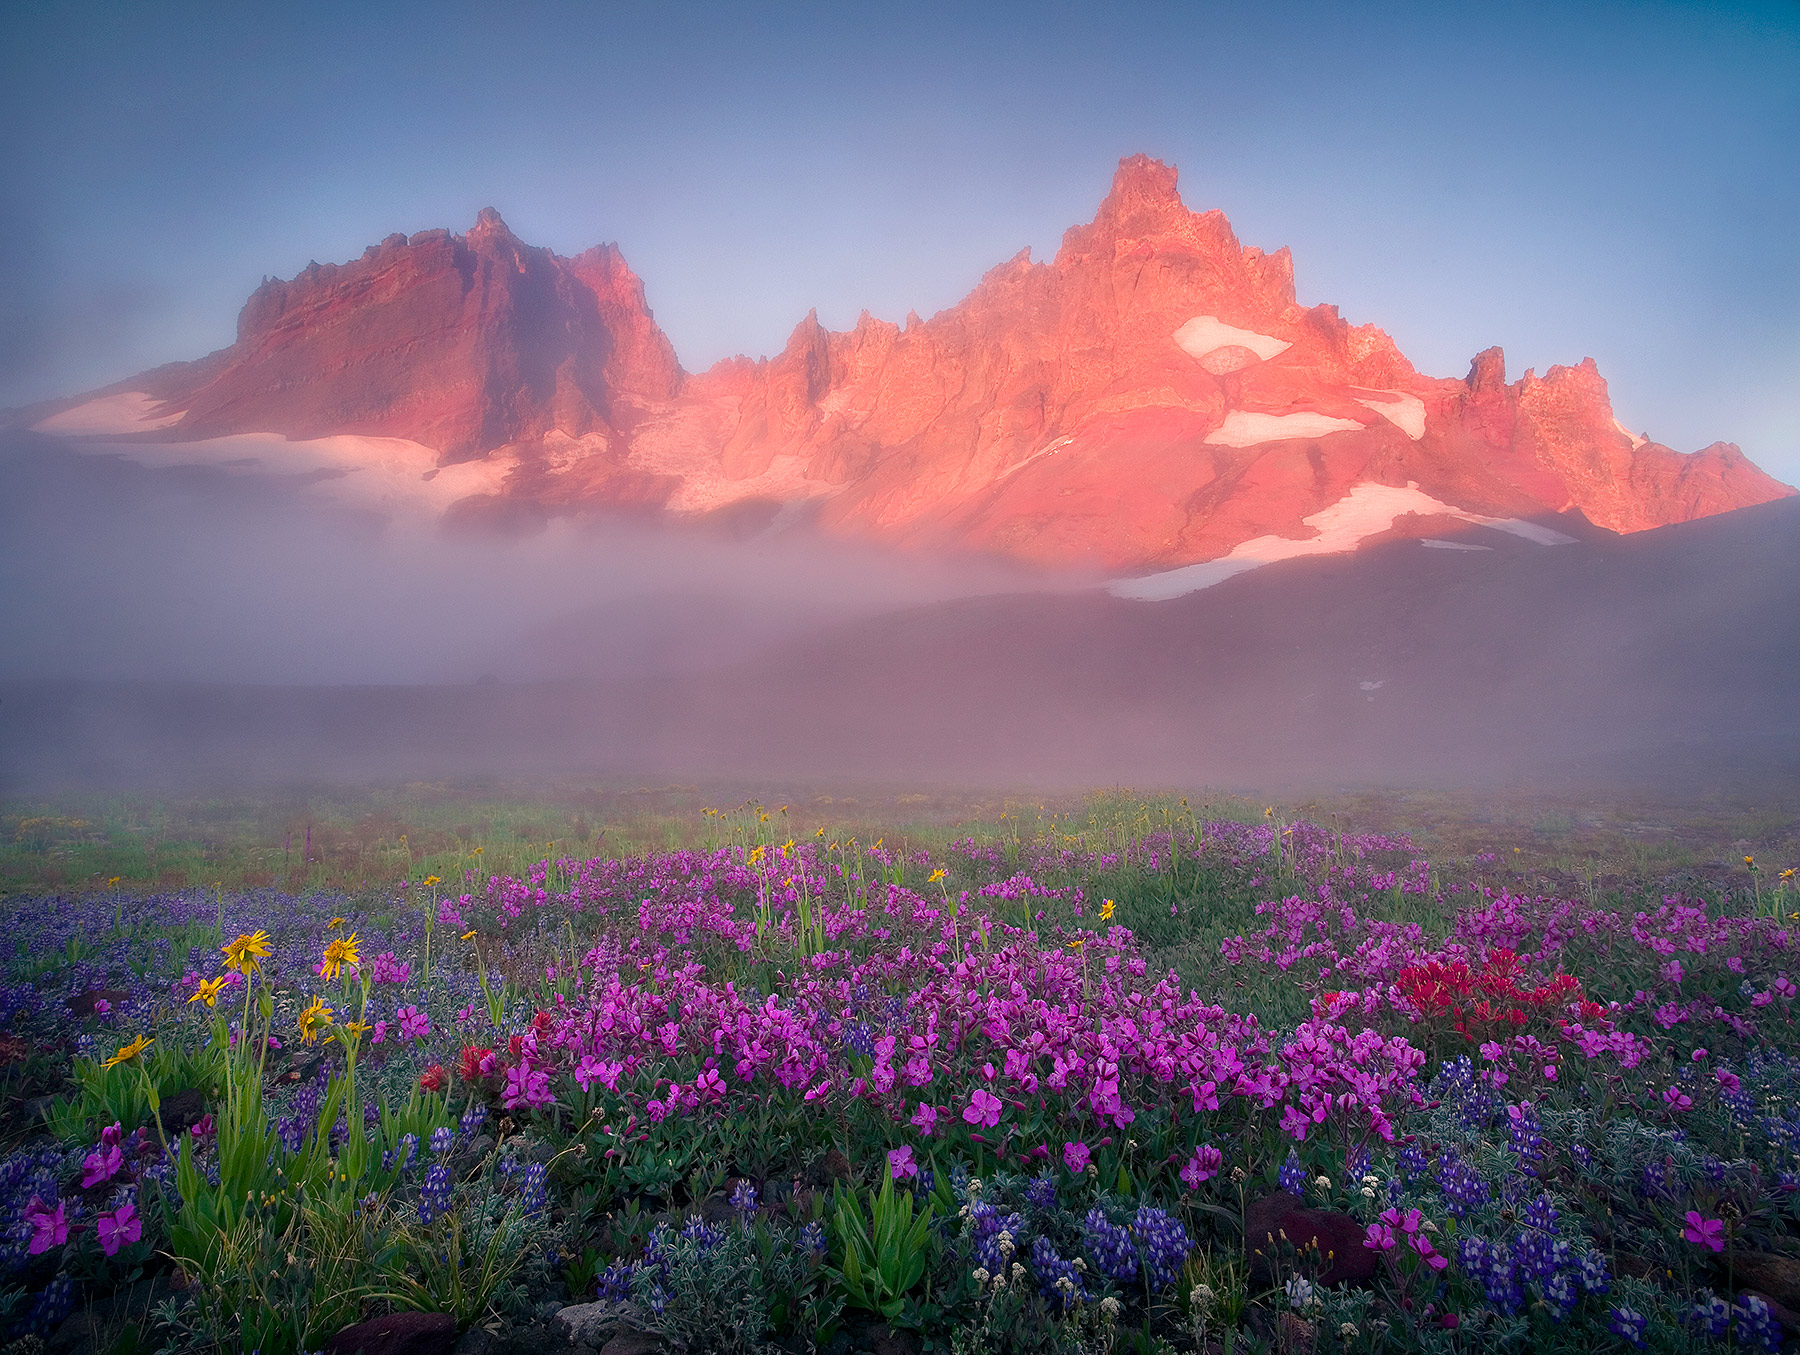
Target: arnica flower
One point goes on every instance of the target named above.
(339, 952)
(313, 1020)
(246, 951)
(1106, 911)
(1704, 1232)
(118, 1227)
(129, 1052)
(207, 991)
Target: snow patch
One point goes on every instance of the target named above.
(1453, 545)
(1636, 439)
(1207, 333)
(1366, 511)
(1244, 429)
(1405, 412)
(1530, 531)
(366, 472)
(1048, 449)
(127, 412)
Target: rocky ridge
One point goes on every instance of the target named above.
(1153, 396)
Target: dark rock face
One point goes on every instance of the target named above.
(1280, 1218)
(398, 1334)
(1774, 1277)
(83, 1004)
(182, 1111)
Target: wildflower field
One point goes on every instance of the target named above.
(1137, 1079)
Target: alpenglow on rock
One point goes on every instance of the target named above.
(1152, 397)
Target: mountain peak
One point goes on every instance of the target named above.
(489, 224)
(1151, 398)
(1141, 180)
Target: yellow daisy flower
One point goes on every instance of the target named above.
(207, 991)
(339, 952)
(129, 1052)
(1106, 911)
(247, 951)
(313, 1020)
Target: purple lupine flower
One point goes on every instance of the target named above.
(1166, 1245)
(1058, 1280)
(1628, 1325)
(1109, 1246)
(1292, 1174)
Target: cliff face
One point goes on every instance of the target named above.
(462, 342)
(1152, 396)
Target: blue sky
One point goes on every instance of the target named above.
(1619, 181)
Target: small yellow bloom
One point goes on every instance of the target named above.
(1749, 860)
(313, 1020)
(207, 991)
(468, 934)
(1077, 943)
(129, 1052)
(246, 952)
(114, 880)
(936, 875)
(334, 924)
(1106, 911)
(358, 1028)
(432, 880)
(338, 953)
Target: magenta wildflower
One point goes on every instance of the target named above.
(983, 1108)
(414, 1024)
(901, 1164)
(102, 1164)
(1202, 1166)
(1704, 1232)
(1076, 1157)
(925, 1118)
(118, 1227)
(49, 1227)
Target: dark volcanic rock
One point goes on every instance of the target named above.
(1338, 1237)
(182, 1111)
(398, 1334)
(1774, 1277)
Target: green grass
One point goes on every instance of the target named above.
(374, 836)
